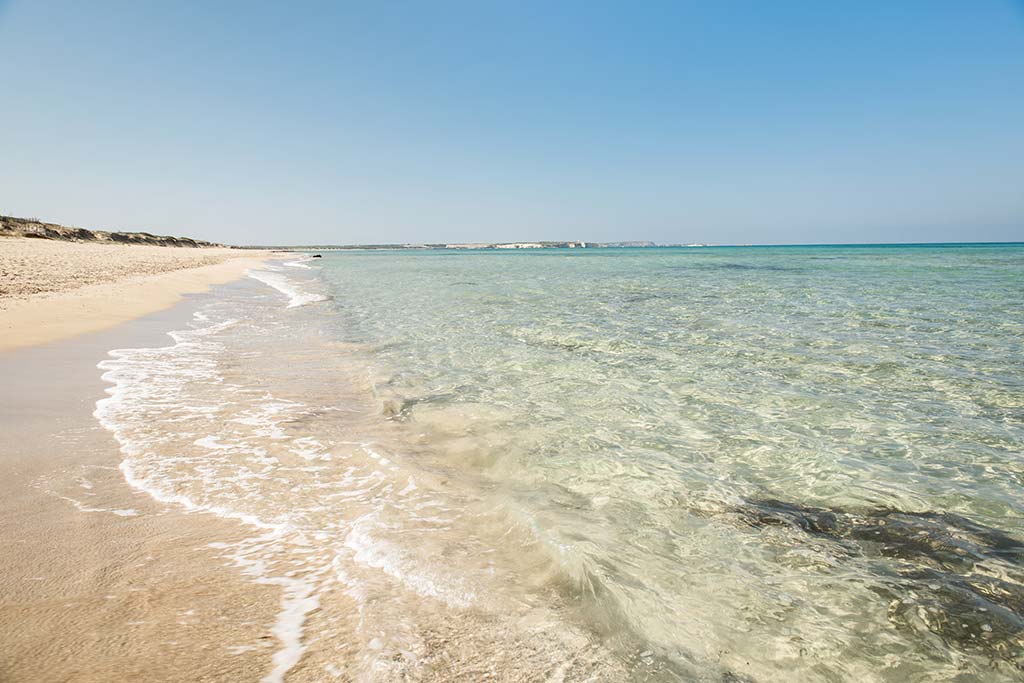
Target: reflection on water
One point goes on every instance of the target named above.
(718, 464)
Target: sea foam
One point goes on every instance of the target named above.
(297, 294)
(193, 438)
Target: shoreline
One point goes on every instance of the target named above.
(72, 310)
(125, 587)
(269, 520)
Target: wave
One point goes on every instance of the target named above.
(326, 514)
(146, 382)
(299, 263)
(369, 543)
(297, 294)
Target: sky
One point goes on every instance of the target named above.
(723, 121)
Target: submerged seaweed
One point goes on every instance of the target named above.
(942, 572)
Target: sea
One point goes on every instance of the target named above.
(735, 464)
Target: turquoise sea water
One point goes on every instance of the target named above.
(844, 376)
(763, 464)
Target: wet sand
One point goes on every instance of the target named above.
(99, 582)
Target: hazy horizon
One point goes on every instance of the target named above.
(794, 123)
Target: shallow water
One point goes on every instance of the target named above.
(762, 464)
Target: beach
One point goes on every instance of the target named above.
(52, 289)
(671, 342)
(578, 465)
(96, 586)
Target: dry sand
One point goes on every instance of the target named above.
(52, 290)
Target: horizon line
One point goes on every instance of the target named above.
(618, 244)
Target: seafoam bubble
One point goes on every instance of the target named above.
(296, 293)
(382, 555)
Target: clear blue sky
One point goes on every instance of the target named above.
(719, 121)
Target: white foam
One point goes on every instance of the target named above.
(297, 296)
(381, 555)
(309, 448)
(82, 507)
(184, 445)
(212, 443)
(296, 604)
(266, 418)
(144, 380)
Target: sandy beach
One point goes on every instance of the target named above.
(282, 479)
(116, 592)
(671, 342)
(52, 290)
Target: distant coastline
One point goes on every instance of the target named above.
(579, 244)
(35, 228)
(512, 246)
